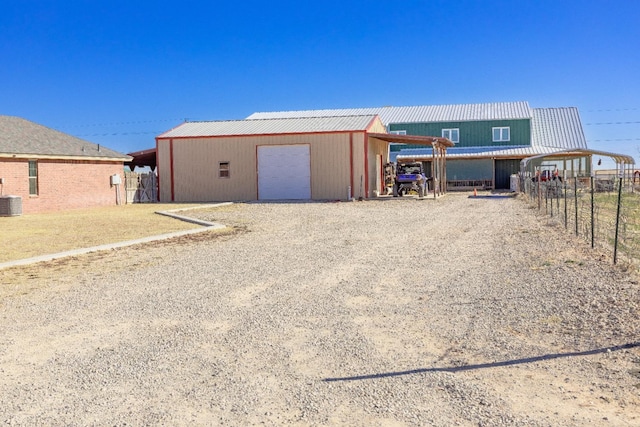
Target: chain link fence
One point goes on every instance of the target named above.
(605, 211)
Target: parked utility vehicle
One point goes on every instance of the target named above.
(409, 177)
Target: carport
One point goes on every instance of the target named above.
(576, 163)
(439, 152)
(141, 159)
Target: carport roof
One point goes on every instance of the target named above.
(296, 125)
(412, 139)
(619, 158)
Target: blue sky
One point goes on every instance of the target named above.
(119, 73)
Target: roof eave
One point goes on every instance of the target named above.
(64, 157)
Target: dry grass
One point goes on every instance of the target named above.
(40, 234)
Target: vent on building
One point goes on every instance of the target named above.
(10, 205)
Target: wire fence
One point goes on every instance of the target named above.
(605, 211)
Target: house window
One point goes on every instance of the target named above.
(501, 134)
(398, 132)
(452, 135)
(223, 170)
(33, 178)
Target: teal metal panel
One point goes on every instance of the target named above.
(469, 169)
(472, 134)
(504, 170)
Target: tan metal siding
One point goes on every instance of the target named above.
(164, 170)
(330, 169)
(196, 160)
(376, 148)
(196, 166)
(378, 127)
(358, 165)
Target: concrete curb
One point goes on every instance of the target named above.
(207, 227)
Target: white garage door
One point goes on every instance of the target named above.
(284, 172)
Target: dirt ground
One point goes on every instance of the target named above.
(462, 312)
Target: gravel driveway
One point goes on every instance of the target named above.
(457, 311)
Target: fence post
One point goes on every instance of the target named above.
(565, 199)
(575, 196)
(550, 197)
(557, 194)
(538, 188)
(615, 243)
(592, 216)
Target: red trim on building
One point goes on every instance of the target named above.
(257, 177)
(370, 125)
(171, 169)
(351, 162)
(157, 171)
(264, 134)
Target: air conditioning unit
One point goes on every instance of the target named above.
(10, 205)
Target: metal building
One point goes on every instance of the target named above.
(308, 158)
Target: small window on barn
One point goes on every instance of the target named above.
(501, 134)
(452, 135)
(33, 178)
(398, 132)
(223, 170)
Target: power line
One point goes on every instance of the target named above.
(158, 132)
(612, 140)
(613, 123)
(612, 109)
(133, 122)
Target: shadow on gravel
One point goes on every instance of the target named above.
(487, 365)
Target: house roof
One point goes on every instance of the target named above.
(557, 127)
(418, 114)
(552, 129)
(20, 138)
(271, 126)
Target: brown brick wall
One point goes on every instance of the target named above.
(62, 184)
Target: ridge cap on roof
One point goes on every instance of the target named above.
(553, 108)
(279, 118)
(393, 106)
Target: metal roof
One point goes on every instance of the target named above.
(557, 127)
(418, 114)
(412, 139)
(619, 158)
(20, 137)
(479, 152)
(271, 126)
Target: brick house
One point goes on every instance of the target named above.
(50, 170)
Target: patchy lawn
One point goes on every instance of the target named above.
(32, 235)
